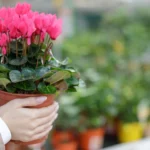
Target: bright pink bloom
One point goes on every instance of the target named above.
(55, 29)
(26, 28)
(4, 51)
(3, 39)
(23, 8)
(41, 23)
(3, 42)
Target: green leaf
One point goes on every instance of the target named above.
(15, 76)
(42, 88)
(44, 46)
(62, 86)
(72, 81)
(54, 63)
(41, 72)
(4, 68)
(4, 82)
(28, 73)
(33, 50)
(18, 61)
(58, 76)
(66, 61)
(3, 75)
(26, 86)
(10, 88)
(72, 89)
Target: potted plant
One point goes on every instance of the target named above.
(64, 135)
(28, 67)
(130, 128)
(91, 122)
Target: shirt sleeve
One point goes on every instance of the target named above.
(5, 132)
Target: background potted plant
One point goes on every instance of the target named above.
(27, 65)
(64, 135)
(132, 92)
(91, 121)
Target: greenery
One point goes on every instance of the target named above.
(113, 64)
(34, 74)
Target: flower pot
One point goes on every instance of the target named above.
(92, 139)
(129, 132)
(59, 136)
(5, 97)
(72, 145)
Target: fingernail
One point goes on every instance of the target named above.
(41, 99)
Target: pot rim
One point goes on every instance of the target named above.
(30, 95)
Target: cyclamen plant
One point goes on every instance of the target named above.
(27, 63)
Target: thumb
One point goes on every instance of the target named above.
(31, 101)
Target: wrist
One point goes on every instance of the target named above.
(5, 132)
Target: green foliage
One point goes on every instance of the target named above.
(34, 69)
(46, 89)
(111, 62)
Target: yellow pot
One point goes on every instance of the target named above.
(130, 132)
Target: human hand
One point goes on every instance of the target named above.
(27, 124)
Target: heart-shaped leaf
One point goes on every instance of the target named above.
(4, 68)
(27, 73)
(15, 76)
(41, 72)
(3, 75)
(72, 81)
(4, 82)
(72, 89)
(54, 62)
(62, 86)
(42, 88)
(18, 61)
(26, 86)
(66, 62)
(58, 76)
(10, 88)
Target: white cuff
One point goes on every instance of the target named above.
(5, 132)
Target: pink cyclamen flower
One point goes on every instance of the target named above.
(55, 29)
(3, 43)
(41, 23)
(26, 28)
(22, 8)
(4, 50)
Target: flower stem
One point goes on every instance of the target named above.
(24, 47)
(16, 48)
(46, 51)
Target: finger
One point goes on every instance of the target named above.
(43, 134)
(46, 111)
(44, 127)
(45, 120)
(26, 102)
